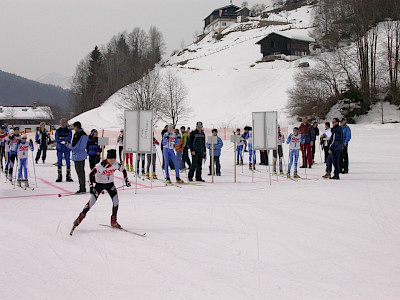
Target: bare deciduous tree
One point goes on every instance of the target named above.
(143, 94)
(174, 94)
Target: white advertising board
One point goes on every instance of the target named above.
(265, 131)
(138, 133)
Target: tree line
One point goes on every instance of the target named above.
(363, 41)
(108, 68)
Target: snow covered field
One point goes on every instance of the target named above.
(312, 239)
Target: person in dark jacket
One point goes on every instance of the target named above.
(307, 136)
(344, 156)
(197, 146)
(79, 155)
(335, 148)
(42, 139)
(316, 134)
(63, 136)
(93, 149)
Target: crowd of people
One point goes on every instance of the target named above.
(182, 150)
(176, 145)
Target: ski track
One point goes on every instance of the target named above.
(290, 240)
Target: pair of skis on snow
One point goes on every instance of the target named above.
(122, 229)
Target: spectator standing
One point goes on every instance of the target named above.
(307, 136)
(93, 149)
(197, 145)
(63, 136)
(316, 134)
(185, 145)
(324, 140)
(335, 148)
(217, 153)
(344, 156)
(79, 155)
(42, 139)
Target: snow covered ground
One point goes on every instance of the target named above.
(311, 239)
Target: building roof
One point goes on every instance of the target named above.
(25, 113)
(221, 8)
(293, 34)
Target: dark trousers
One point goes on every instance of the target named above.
(93, 160)
(326, 149)
(13, 158)
(41, 151)
(217, 165)
(264, 157)
(306, 154)
(185, 158)
(2, 155)
(344, 159)
(197, 161)
(151, 160)
(120, 148)
(333, 159)
(80, 171)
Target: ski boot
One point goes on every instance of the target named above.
(237, 163)
(143, 173)
(168, 180)
(114, 223)
(131, 168)
(336, 176)
(59, 178)
(19, 183)
(295, 175)
(250, 166)
(288, 175)
(137, 172)
(147, 176)
(281, 173)
(241, 162)
(154, 176)
(68, 177)
(178, 180)
(79, 219)
(26, 183)
(327, 175)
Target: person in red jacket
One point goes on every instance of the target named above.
(307, 137)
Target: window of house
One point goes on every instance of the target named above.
(223, 23)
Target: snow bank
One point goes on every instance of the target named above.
(391, 114)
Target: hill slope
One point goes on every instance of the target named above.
(16, 90)
(224, 80)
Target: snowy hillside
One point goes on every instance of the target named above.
(224, 80)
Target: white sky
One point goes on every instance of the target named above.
(42, 36)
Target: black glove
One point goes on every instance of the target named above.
(93, 190)
(127, 182)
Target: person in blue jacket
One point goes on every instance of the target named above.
(335, 148)
(344, 155)
(63, 135)
(93, 149)
(169, 142)
(217, 152)
(79, 155)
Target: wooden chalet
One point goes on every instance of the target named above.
(285, 42)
